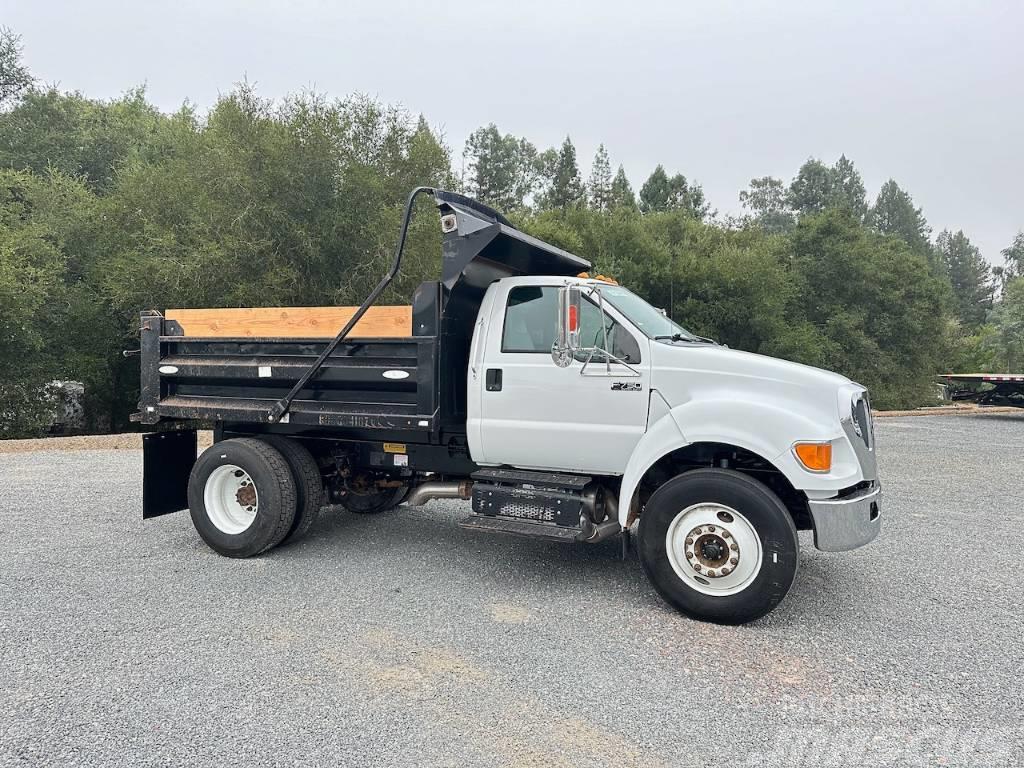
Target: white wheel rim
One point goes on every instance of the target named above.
(231, 499)
(714, 549)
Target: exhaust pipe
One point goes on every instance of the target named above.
(593, 533)
(421, 494)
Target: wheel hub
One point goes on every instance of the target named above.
(714, 548)
(712, 551)
(231, 499)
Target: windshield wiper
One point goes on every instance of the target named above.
(691, 338)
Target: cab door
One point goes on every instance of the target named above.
(536, 415)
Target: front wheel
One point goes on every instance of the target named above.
(718, 545)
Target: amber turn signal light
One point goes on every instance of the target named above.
(817, 457)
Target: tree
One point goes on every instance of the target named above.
(502, 169)
(77, 136)
(848, 188)
(599, 188)
(877, 304)
(622, 192)
(818, 187)
(661, 193)
(1013, 257)
(969, 276)
(894, 213)
(768, 203)
(1008, 318)
(565, 188)
(15, 79)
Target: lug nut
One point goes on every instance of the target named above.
(735, 547)
(689, 542)
(711, 529)
(696, 568)
(725, 571)
(711, 574)
(734, 560)
(726, 534)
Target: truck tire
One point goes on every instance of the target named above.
(374, 503)
(718, 546)
(241, 495)
(309, 485)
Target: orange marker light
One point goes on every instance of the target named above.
(816, 457)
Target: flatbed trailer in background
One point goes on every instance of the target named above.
(1007, 389)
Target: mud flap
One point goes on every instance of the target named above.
(167, 460)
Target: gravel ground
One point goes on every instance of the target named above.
(404, 640)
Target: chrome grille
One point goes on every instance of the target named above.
(862, 419)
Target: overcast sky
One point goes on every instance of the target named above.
(929, 93)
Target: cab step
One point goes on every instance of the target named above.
(526, 477)
(523, 528)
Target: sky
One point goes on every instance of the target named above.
(928, 93)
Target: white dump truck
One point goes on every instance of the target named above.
(562, 406)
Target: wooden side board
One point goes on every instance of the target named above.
(292, 322)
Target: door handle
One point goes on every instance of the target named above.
(493, 380)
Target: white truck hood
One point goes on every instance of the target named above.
(683, 372)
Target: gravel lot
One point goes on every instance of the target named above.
(404, 640)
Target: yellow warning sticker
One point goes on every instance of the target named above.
(394, 447)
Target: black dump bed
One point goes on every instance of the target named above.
(409, 388)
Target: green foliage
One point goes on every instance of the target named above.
(42, 294)
(564, 188)
(76, 136)
(1007, 342)
(876, 304)
(15, 79)
(1013, 256)
(622, 192)
(969, 277)
(502, 170)
(599, 188)
(768, 203)
(661, 193)
(818, 187)
(894, 213)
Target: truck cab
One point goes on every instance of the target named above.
(561, 405)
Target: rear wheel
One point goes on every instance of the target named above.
(718, 545)
(241, 496)
(309, 485)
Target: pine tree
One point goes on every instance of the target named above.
(565, 188)
(894, 213)
(599, 188)
(622, 191)
(968, 274)
(848, 188)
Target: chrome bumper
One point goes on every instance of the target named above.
(848, 522)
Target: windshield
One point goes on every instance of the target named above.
(653, 322)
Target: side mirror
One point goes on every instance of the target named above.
(567, 340)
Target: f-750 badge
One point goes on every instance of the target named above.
(626, 386)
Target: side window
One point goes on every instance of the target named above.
(531, 324)
(531, 319)
(621, 342)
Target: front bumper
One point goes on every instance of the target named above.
(847, 522)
